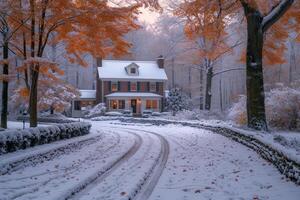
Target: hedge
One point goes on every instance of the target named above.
(13, 140)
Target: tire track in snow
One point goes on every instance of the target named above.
(38, 158)
(145, 189)
(36, 186)
(101, 175)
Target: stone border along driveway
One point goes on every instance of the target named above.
(286, 166)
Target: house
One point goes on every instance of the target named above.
(86, 99)
(127, 85)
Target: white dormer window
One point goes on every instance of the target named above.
(132, 69)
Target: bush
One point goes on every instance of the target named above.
(282, 108)
(96, 111)
(238, 112)
(49, 119)
(14, 140)
(176, 101)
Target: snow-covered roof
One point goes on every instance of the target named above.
(116, 69)
(87, 94)
(133, 94)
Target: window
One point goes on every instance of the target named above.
(151, 104)
(152, 86)
(113, 104)
(121, 104)
(117, 104)
(148, 104)
(132, 70)
(154, 104)
(77, 105)
(114, 86)
(133, 86)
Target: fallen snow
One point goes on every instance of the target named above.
(201, 165)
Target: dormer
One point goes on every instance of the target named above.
(132, 69)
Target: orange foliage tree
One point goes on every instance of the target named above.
(268, 25)
(94, 27)
(211, 40)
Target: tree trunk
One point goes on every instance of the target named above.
(208, 88)
(255, 80)
(4, 88)
(33, 98)
(51, 110)
(201, 89)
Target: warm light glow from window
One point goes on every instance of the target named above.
(151, 104)
(133, 86)
(114, 86)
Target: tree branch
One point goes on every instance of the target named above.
(276, 13)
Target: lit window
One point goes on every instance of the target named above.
(148, 104)
(114, 86)
(151, 104)
(152, 87)
(154, 104)
(133, 86)
(113, 104)
(121, 104)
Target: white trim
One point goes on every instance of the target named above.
(133, 95)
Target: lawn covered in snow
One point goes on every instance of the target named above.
(120, 161)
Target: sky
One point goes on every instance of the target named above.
(148, 16)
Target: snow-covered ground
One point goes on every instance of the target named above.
(19, 125)
(142, 161)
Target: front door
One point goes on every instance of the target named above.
(133, 105)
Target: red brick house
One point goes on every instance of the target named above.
(130, 85)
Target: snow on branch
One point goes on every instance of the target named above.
(275, 14)
(39, 60)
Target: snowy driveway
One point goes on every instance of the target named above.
(122, 161)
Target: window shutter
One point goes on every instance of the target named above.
(128, 86)
(109, 86)
(138, 86)
(119, 86)
(157, 86)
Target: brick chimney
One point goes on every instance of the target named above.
(160, 61)
(98, 62)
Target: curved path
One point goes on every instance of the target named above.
(121, 161)
(59, 176)
(136, 178)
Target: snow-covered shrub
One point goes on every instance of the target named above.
(176, 101)
(291, 142)
(114, 113)
(48, 119)
(13, 140)
(195, 114)
(96, 111)
(283, 108)
(51, 97)
(238, 112)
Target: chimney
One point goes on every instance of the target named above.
(160, 61)
(98, 62)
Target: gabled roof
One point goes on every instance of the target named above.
(116, 69)
(87, 94)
